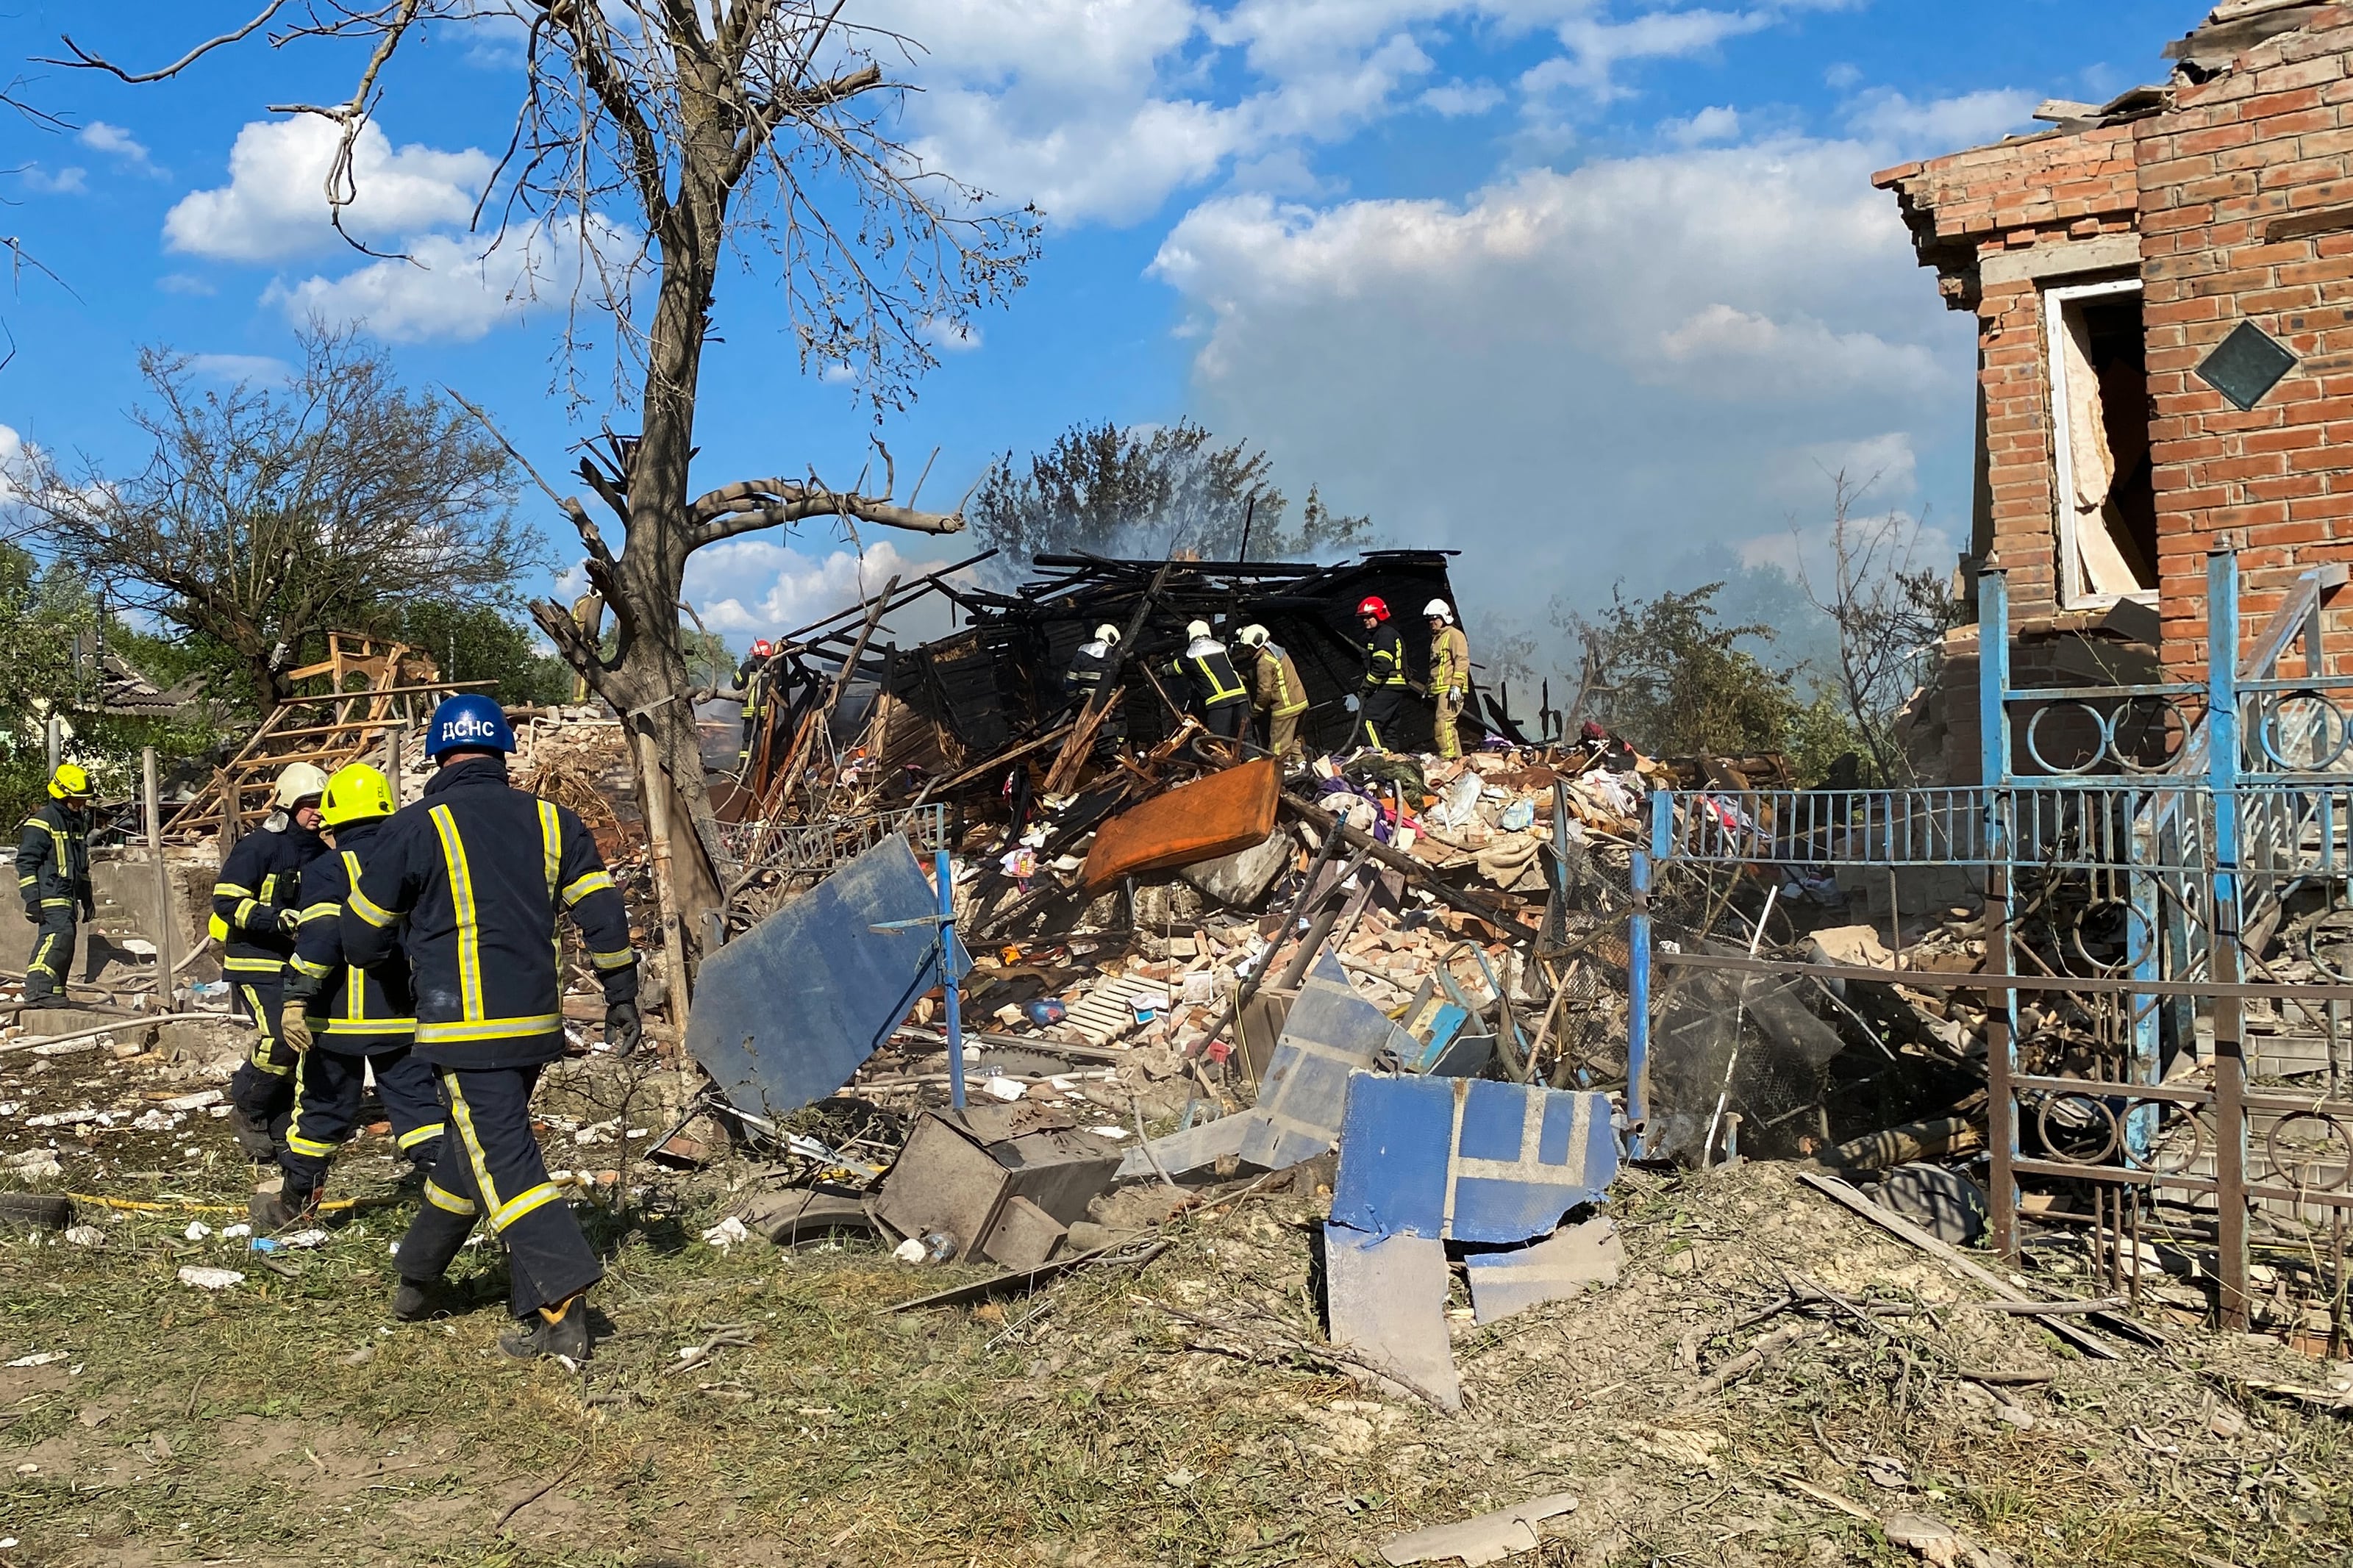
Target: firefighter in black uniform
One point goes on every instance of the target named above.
(481, 871)
(257, 905)
(1218, 691)
(752, 681)
(53, 875)
(345, 1023)
(1381, 705)
(1089, 665)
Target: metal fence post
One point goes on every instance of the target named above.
(166, 939)
(2001, 1006)
(2224, 963)
(1638, 970)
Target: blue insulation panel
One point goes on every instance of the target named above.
(1466, 1160)
(786, 1013)
(1332, 1032)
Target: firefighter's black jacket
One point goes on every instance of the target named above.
(1384, 656)
(1209, 671)
(259, 886)
(53, 859)
(481, 869)
(357, 1011)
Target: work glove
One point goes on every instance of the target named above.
(294, 1028)
(623, 1028)
(88, 911)
(1351, 703)
(33, 914)
(288, 921)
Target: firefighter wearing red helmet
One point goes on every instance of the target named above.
(1381, 704)
(752, 679)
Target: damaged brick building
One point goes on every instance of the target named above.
(2163, 287)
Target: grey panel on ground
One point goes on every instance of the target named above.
(1332, 1032)
(787, 1012)
(1490, 1538)
(1198, 1145)
(1503, 1284)
(1388, 1303)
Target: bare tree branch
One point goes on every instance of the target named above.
(86, 60)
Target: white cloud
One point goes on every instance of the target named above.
(1576, 375)
(1455, 100)
(66, 181)
(1709, 125)
(240, 367)
(184, 283)
(1944, 124)
(765, 586)
(449, 289)
(114, 140)
(275, 205)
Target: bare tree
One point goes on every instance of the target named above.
(1890, 611)
(752, 125)
(266, 514)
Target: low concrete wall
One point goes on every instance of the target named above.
(122, 882)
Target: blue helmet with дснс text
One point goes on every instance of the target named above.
(468, 723)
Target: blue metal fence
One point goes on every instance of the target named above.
(2175, 816)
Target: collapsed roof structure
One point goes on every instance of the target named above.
(944, 714)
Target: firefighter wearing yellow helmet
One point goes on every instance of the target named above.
(53, 876)
(256, 910)
(345, 1023)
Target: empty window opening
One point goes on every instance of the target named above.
(2099, 385)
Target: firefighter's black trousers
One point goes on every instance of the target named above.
(263, 1084)
(492, 1171)
(53, 951)
(329, 1086)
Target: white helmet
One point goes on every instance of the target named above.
(1253, 636)
(1198, 629)
(301, 781)
(1436, 609)
(1107, 633)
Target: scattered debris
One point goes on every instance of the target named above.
(209, 1279)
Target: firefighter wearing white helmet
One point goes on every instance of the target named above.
(1276, 691)
(1091, 666)
(1450, 675)
(346, 1024)
(257, 907)
(1218, 693)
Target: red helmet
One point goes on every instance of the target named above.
(1374, 607)
(760, 648)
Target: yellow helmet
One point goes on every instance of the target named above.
(356, 791)
(70, 783)
(299, 782)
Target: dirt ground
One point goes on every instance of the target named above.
(1175, 1415)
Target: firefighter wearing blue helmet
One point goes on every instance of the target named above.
(470, 881)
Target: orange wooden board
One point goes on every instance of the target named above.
(1211, 816)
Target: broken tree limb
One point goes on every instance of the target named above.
(1491, 911)
(1905, 1230)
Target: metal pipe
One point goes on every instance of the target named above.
(944, 875)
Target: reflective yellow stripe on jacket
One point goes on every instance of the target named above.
(1218, 690)
(470, 936)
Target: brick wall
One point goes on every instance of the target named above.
(1965, 210)
(2272, 140)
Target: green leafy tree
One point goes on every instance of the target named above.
(264, 516)
(1148, 492)
(1669, 675)
(478, 642)
(51, 642)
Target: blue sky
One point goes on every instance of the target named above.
(1589, 289)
